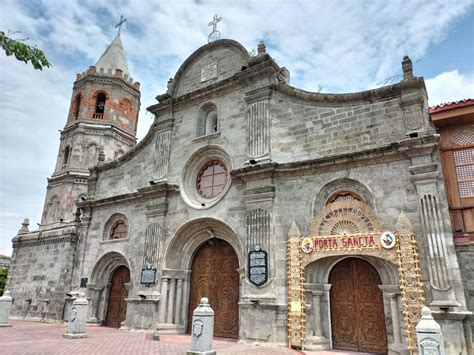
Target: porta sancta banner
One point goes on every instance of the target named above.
(386, 240)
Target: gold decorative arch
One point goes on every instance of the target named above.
(350, 227)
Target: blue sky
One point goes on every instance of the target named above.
(341, 46)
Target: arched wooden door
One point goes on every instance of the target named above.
(214, 275)
(357, 314)
(117, 308)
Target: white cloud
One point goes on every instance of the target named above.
(449, 86)
(343, 45)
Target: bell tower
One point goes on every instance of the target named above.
(101, 126)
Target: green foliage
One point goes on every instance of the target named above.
(23, 52)
(3, 279)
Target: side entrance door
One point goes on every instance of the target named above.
(214, 275)
(117, 308)
(357, 314)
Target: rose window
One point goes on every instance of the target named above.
(212, 179)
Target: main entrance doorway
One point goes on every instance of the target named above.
(117, 308)
(214, 275)
(357, 315)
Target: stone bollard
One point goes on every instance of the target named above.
(78, 318)
(428, 335)
(5, 307)
(202, 330)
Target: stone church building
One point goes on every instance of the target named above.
(236, 163)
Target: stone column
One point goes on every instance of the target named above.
(441, 263)
(316, 305)
(94, 303)
(169, 318)
(179, 297)
(393, 297)
(5, 307)
(163, 301)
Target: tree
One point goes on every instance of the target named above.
(23, 52)
(3, 279)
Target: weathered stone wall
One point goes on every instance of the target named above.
(40, 273)
(465, 254)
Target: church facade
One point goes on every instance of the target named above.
(237, 163)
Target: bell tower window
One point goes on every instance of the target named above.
(77, 106)
(67, 152)
(100, 105)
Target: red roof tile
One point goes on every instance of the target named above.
(451, 105)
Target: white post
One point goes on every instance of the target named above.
(78, 318)
(5, 307)
(428, 335)
(202, 329)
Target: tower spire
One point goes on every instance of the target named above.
(114, 57)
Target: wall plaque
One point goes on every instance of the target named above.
(258, 266)
(209, 72)
(148, 275)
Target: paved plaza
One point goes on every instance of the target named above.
(28, 337)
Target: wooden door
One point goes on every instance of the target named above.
(357, 314)
(117, 308)
(214, 275)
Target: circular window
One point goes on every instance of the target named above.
(212, 179)
(205, 177)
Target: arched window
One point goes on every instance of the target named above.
(211, 122)
(207, 120)
(67, 152)
(100, 105)
(119, 230)
(77, 106)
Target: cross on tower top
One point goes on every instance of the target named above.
(215, 34)
(121, 22)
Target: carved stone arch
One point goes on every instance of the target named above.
(345, 217)
(317, 272)
(101, 91)
(105, 267)
(179, 253)
(343, 184)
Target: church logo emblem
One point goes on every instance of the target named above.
(307, 245)
(388, 240)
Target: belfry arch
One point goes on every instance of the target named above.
(349, 232)
(188, 241)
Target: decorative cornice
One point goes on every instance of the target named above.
(358, 97)
(159, 189)
(395, 150)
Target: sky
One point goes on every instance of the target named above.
(330, 46)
